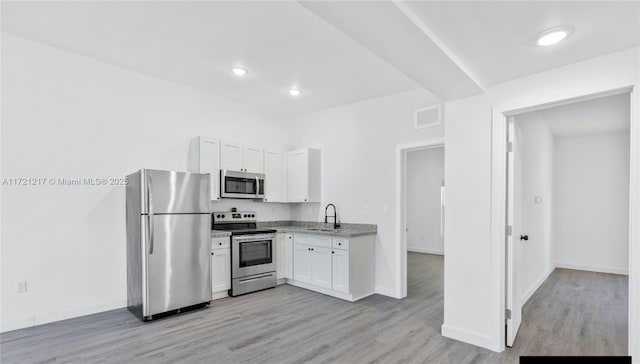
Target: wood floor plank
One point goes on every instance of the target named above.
(573, 313)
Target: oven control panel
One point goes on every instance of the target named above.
(238, 216)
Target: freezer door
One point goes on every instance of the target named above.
(169, 192)
(178, 270)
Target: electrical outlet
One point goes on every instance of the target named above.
(366, 209)
(386, 209)
(21, 287)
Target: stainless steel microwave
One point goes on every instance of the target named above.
(236, 184)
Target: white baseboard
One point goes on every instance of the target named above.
(589, 268)
(468, 337)
(386, 292)
(45, 318)
(536, 285)
(426, 251)
(219, 295)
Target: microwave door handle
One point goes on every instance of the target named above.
(257, 186)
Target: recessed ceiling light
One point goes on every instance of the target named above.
(295, 92)
(239, 71)
(553, 36)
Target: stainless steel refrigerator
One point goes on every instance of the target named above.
(168, 241)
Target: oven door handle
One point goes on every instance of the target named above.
(254, 237)
(255, 278)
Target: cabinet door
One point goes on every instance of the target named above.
(273, 170)
(340, 269)
(288, 267)
(302, 263)
(280, 255)
(253, 159)
(231, 156)
(220, 270)
(204, 157)
(321, 267)
(298, 177)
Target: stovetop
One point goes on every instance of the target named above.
(237, 222)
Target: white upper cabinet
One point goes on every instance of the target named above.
(238, 157)
(304, 175)
(231, 157)
(204, 157)
(275, 170)
(253, 159)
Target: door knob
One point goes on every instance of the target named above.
(524, 237)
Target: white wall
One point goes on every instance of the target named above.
(65, 115)
(537, 254)
(358, 144)
(592, 202)
(424, 175)
(474, 268)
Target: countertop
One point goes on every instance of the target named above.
(220, 233)
(310, 227)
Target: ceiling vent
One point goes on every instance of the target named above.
(430, 116)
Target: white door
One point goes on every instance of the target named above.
(273, 166)
(340, 266)
(298, 181)
(321, 267)
(302, 263)
(280, 255)
(253, 159)
(514, 206)
(210, 163)
(288, 256)
(231, 156)
(220, 270)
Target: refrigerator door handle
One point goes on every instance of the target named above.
(150, 225)
(150, 211)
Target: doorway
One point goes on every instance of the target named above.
(403, 155)
(567, 223)
(424, 226)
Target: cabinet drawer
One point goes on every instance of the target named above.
(220, 243)
(313, 240)
(341, 243)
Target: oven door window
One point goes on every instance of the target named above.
(255, 253)
(241, 186)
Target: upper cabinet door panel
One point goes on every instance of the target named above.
(273, 170)
(231, 156)
(253, 159)
(298, 177)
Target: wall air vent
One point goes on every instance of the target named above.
(429, 116)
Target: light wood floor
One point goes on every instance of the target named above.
(572, 313)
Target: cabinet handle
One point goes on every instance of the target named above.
(211, 253)
(220, 243)
(340, 244)
(333, 252)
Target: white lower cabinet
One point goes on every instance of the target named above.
(340, 274)
(220, 267)
(302, 263)
(288, 256)
(337, 266)
(284, 256)
(321, 267)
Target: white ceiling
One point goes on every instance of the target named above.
(282, 44)
(494, 39)
(336, 52)
(603, 115)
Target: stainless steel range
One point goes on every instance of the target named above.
(253, 252)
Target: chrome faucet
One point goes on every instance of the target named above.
(335, 216)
